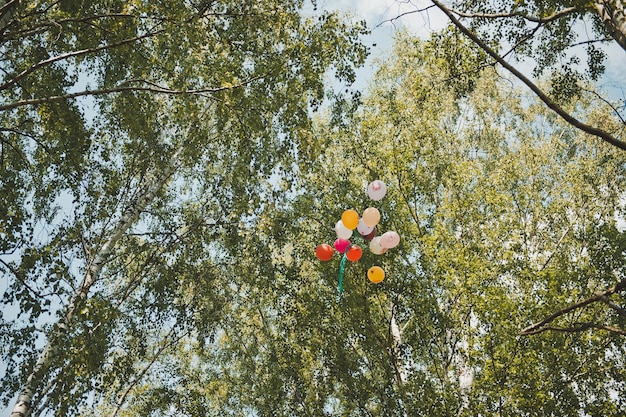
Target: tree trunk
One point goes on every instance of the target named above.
(612, 14)
(24, 404)
(6, 13)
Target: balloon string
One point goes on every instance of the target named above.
(342, 267)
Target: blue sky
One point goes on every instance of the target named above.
(380, 16)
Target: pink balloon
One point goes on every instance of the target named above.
(376, 190)
(341, 245)
(389, 240)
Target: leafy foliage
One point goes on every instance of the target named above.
(496, 202)
(161, 215)
(135, 136)
(551, 38)
(544, 30)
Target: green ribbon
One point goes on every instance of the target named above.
(342, 267)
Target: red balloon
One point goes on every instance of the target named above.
(341, 245)
(324, 252)
(354, 253)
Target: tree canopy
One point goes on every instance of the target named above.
(166, 179)
(564, 41)
(134, 135)
(506, 213)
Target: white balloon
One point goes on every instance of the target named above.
(342, 231)
(363, 229)
(375, 246)
(376, 190)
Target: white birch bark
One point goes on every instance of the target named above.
(6, 13)
(24, 404)
(612, 14)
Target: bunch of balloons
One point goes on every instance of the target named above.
(367, 227)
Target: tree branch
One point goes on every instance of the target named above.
(547, 19)
(28, 135)
(72, 54)
(153, 88)
(607, 137)
(425, 9)
(580, 328)
(19, 277)
(6, 13)
(541, 326)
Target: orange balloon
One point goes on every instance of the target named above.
(354, 253)
(350, 219)
(371, 216)
(375, 274)
(324, 252)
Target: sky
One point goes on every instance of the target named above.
(381, 17)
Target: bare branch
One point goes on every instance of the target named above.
(591, 41)
(536, 19)
(537, 327)
(580, 328)
(28, 135)
(61, 57)
(6, 13)
(153, 88)
(425, 9)
(611, 329)
(608, 103)
(6, 6)
(523, 40)
(19, 277)
(607, 137)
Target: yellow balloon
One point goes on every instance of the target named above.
(375, 274)
(350, 219)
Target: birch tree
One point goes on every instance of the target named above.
(564, 42)
(135, 139)
(504, 212)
